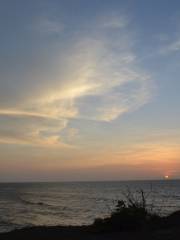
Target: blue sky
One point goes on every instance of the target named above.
(86, 85)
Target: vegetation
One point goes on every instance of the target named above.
(132, 214)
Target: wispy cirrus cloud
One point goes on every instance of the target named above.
(175, 46)
(94, 76)
(31, 130)
(171, 47)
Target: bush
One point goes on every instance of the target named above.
(129, 215)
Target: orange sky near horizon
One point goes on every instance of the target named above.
(89, 93)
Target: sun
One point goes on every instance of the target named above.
(166, 177)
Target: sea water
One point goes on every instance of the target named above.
(77, 203)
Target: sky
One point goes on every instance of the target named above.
(89, 90)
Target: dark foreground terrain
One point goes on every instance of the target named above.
(85, 233)
(128, 222)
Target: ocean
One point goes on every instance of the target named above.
(77, 203)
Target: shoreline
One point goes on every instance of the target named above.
(163, 228)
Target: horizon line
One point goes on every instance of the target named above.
(92, 181)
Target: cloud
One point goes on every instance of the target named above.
(72, 132)
(92, 76)
(14, 112)
(172, 47)
(31, 130)
(114, 83)
(175, 46)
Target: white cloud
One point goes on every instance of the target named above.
(95, 76)
(110, 113)
(31, 130)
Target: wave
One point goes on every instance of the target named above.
(28, 202)
(5, 223)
